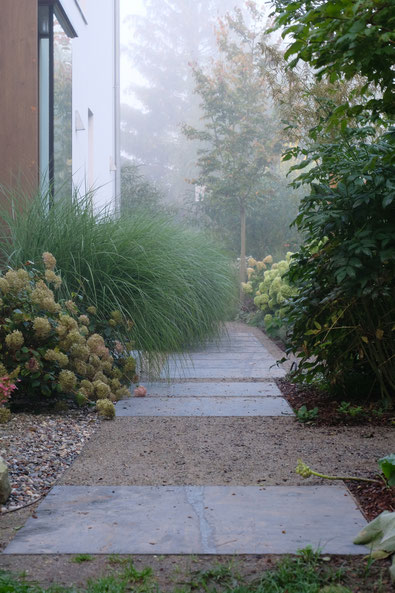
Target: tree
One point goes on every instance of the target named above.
(239, 140)
(344, 39)
(170, 36)
(137, 192)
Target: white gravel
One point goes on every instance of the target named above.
(37, 450)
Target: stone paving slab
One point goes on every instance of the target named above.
(231, 350)
(204, 406)
(232, 372)
(199, 357)
(225, 363)
(234, 356)
(212, 389)
(191, 520)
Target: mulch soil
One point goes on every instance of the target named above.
(373, 499)
(328, 408)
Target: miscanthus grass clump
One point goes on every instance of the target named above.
(174, 285)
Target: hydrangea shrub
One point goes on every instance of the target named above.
(51, 349)
(266, 283)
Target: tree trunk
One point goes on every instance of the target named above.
(243, 273)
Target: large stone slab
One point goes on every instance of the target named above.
(234, 357)
(231, 371)
(223, 362)
(191, 520)
(210, 389)
(204, 406)
(199, 357)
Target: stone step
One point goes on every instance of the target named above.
(211, 389)
(232, 371)
(191, 520)
(204, 406)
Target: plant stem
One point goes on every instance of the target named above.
(356, 478)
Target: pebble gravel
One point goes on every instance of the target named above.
(38, 448)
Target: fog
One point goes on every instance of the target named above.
(165, 46)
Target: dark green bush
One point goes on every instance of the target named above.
(342, 319)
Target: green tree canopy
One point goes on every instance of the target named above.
(240, 138)
(344, 39)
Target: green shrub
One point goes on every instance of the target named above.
(173, 283)
(342, 314)
(105, 408)
(49, 350)
(387, 466)
(305, 415)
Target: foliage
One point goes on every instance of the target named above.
(342, 316)
(272, 291)
(105, 408)
(79, 558)
(5, 415)
(7, 386)
(307, 572)
(49, 349)
(349, 410)
(268, 219)
(305, 415)
(137, 191)
(333, 37)
(174, 285)
(379, 537)
(387, 466)
(239, 140)
(303, 574)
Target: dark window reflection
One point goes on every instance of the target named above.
(62, 110)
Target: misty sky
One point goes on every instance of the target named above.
(130, 7)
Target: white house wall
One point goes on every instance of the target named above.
(94, 152)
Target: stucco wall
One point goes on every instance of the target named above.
(93, 92)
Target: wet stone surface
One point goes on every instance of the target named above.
(191, 520)
(204, 406)
(214, 389)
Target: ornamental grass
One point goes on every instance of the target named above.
(175, 284)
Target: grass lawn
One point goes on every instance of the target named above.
(307, 572)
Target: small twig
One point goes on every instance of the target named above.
(23, 506)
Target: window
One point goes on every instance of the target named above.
(55, 98)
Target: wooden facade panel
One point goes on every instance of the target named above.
(19, 93)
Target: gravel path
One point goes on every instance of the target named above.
(169, 451)
(223, 451)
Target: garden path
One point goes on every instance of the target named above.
(156, 481)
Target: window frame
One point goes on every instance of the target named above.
(55, 9)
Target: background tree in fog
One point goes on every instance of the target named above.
(171, 35)
(137, 192)
(241, 140)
